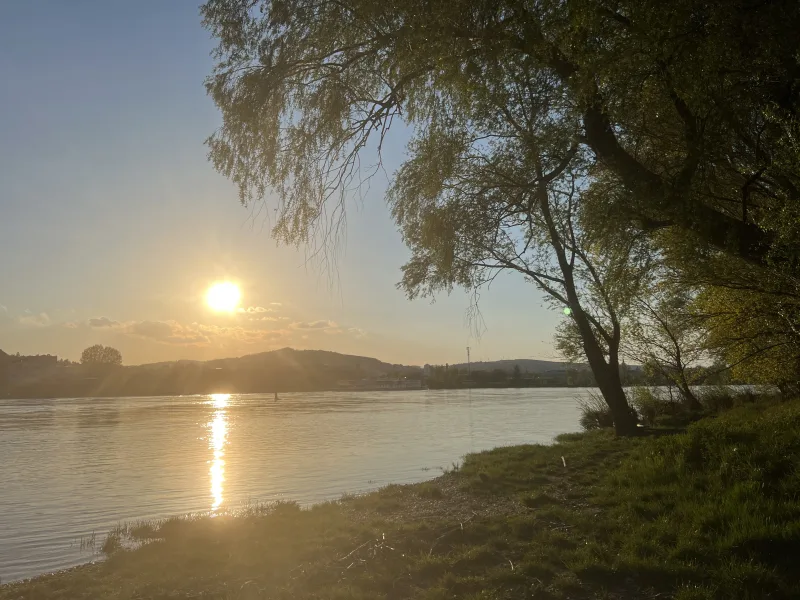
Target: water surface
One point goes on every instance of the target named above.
(70, 467)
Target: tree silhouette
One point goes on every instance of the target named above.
(101, 355)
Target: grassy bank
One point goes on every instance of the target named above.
(710, 513)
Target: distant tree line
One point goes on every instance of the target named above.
(101, 374)
(649, 374)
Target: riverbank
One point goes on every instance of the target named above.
(710, 513)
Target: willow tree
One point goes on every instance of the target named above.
(667, 337)
(674, 116)
(757, 333)
(689, 106)
(483, 193)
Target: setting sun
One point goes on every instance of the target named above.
(223, 296)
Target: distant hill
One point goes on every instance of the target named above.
(289, 358)
(526, 365)
(307, 359)
(281, 370)
(284, 370)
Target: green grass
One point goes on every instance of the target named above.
(710, 513)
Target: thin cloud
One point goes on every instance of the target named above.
(241, 334)
(31, 320)
(356, 332)
(254, 310)
(321, 324)
(259, 327)
(99, 322)
(167, 332)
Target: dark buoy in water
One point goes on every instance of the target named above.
(276, 396)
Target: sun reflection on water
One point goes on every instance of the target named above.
(220, 400)
(218, 432)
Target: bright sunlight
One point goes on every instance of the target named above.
(223, 296)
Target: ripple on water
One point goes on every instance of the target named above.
(72, 467)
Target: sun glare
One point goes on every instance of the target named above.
(218, 433)
(223, 296)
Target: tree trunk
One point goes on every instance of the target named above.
(605, 373)
(691, 401)
(607, 376)
(611, 387)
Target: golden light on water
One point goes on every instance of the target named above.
(218, 433)
(223, 296)
(220, 400)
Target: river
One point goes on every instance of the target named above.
(71, 468)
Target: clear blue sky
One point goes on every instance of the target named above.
(113, 223)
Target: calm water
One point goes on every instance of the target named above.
(73, 466)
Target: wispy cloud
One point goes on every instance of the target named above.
(34, 320)
(355, 332)
(321, 324)
(103, 322)
(167, 332)
(260, 327)
(193, 334)
(255, 310)
(241, 334)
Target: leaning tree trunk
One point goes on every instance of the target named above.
(606, 374)
(610, 385)
(689, 399)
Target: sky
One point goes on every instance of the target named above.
(113, 224)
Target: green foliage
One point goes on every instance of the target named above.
(685, 110)
(558, 139)
(665, 336)
(650, 406)
(111, 544)
(718, 399)
(101, 355)
(757, 333)
(595, 413)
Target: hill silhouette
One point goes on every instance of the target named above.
(284, 370)
(281, 370)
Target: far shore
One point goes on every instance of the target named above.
(301, 391)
